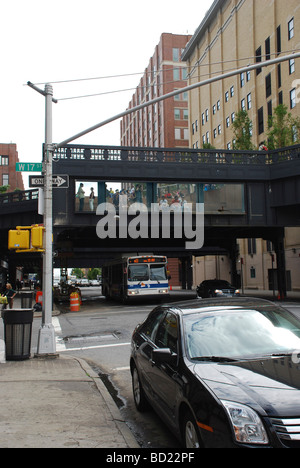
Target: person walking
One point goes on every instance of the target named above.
(9, 294)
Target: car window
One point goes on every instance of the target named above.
(167, 334)
(150, 327)
(240, 334)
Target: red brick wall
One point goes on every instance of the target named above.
(15, 179)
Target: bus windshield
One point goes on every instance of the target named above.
(141, 272)
(158, 272)
(138, 272)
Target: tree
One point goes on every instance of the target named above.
(284, 129)
(242, 129)
(4, 188)
(77, 272)
(94, 273)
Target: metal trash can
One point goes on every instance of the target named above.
(17, 333)
(26, 299)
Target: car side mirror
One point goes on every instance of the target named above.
(163, 356)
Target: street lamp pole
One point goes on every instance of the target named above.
(46, 338)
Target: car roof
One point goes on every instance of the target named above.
(216, 304)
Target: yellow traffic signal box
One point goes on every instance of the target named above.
(37, 237)
(18, 239)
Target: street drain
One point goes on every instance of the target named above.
(92, 337)
(112, 389)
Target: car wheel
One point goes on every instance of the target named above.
(139, 396)
(191, 437)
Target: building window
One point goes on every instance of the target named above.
(279, 75)
(232, 91)
(177, 114)
(215, 133)
(295, 133)
(268, 49)
(206, 115)
(252, 272)
(219, 129)
(203, 118)
(242, 80)
(207, 137)
(261, 120)
(232, 117)
(196, 121)
(251, 246)
(3, 160)
(177, 133)
(248, 76)
(229, 146)
(270, 111)
(186, 116)
(5, 179)
(278, 39)
(293, 98)
(268, 85)
(175, 55)
(292, 66)
(176, 74)
(186, 133)
(214, 109)
(218, 105)
(228, 122)
(249, 101)
(291, 29)
(226, 96)
(258, 59)
(280, 97)
(243, 104)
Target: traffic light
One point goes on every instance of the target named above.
(18, 239)
(26, 239)
(37, 237)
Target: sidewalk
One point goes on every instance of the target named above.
(58, 403)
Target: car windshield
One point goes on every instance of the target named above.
(241, 334)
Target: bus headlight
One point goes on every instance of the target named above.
(163, 291)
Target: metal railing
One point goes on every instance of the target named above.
(19, 196)
(163, 155)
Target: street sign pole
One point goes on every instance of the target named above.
(46, 339)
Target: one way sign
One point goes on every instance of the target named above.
(58, 181)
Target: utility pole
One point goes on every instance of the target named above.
(46, 339)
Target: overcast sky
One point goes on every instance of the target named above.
(70, 40)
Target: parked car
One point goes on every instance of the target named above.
(84, 282)
(216, 288)
(221, 372)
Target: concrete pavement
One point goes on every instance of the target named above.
(58, 403)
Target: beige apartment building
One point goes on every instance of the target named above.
(233, 34)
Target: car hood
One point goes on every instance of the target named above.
(269, 384)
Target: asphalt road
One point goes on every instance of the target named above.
(100, 333)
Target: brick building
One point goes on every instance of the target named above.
(8, 175)
(164, 124)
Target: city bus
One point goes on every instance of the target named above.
(136, 277)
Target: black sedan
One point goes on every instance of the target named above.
(216, 288)
(221, 372)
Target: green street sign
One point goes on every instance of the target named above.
(29, 167)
